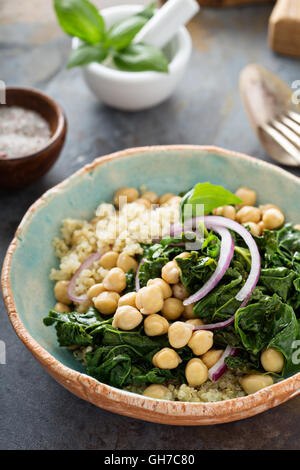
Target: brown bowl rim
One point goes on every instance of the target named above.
(127, 403)
(61, 125)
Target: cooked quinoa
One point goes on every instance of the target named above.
(121, 231)
(225, 388)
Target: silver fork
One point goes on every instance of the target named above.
(285, 130)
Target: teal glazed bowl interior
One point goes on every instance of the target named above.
(28, 293)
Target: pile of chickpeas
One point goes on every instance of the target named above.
(267, 216)
(159, 305)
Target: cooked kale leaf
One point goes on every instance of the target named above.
(269, 323)
(76, 328)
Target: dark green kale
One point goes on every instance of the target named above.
(76, 328)
(269, 323)
(130, 282)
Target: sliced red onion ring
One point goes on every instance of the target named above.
(137, 281)
(211, 222)
(215, 326)
(226, 254)
(216, 371)
(72, 285)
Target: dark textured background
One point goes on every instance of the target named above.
(36, 412)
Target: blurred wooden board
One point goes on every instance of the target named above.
(284, 27)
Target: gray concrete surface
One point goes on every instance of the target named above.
(36, 412)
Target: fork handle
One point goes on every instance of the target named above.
(284, 27)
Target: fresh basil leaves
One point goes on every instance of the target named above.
(87, 53)
(80, 18)
(208, 196)
(141, 57)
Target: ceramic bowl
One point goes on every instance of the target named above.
(28, 293)
(21, 171)
(134, 91)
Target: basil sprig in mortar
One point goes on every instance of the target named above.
(80, 18)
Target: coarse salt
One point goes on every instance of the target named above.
(22, 132)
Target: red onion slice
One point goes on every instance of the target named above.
(85, 265)
(215, 326)
(226, 254)
(137, 281)
(216, 371)
(212, 221)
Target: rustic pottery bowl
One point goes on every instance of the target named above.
(28, 293)
(21, 171)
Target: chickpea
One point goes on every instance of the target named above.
(179, 291)
(188, 311)
(171, 272)
(61, 292)
(183, 255)
(166, 358)
(106, 302)
(151, 196)
(272, 360)
(144, 202)
(196, 372)
(157, 391)
(163, 285)
(109, 260)
(172, 308)
(173, 201)
(195, 321)
(179, 334)
(253, 382)
(165, 198)
(95, 220)
(155, 325)
(95, 290)
(115, 280)
(130, 193)
(128, 299)
(62, 308)
(211, 357)
(83, 307)
(248, 196)
(201, 341)
(254, 228)
(248, 214)
(261, 226)
(265, 207)
(272, 219)
(229, 212)
(126, 263)
(149, 299)
(297, 226)
(225, 211)
(127, 318)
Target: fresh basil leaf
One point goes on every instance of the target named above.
(81, 19)
(141, 58)
(208, 195)
(148, 12)
(87, 53)
(122, 33)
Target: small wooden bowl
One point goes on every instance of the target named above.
(21, 171)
